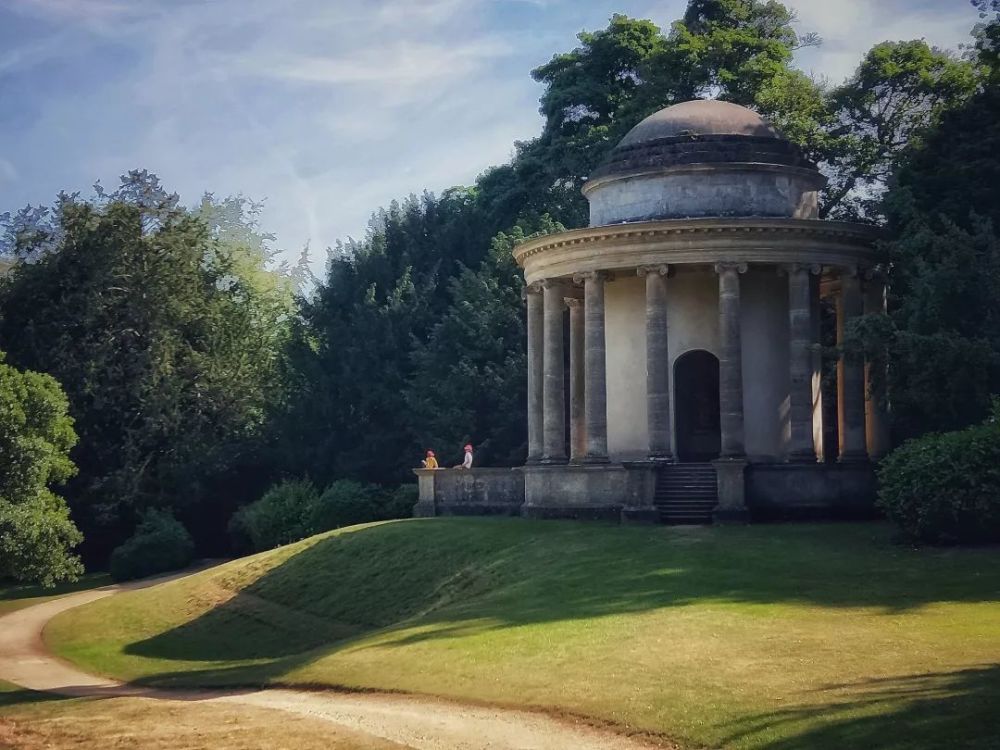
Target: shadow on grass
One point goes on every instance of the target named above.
(945, 709)
(446, 578)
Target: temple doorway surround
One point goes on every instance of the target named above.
(696, 399)
(688, 315)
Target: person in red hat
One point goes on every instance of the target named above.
(430, 462)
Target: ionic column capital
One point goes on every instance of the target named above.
(534, 287)
(583, 276)
(727, 266)
(662, 269)
(573, 302)
(551, 283)
(813, 268)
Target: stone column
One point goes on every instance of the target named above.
(800, 394)
(536, 378)
(876, 416)
(554, 406)
(595, 398)
(731, 360)
(657, 363)
(850, 374)
(577, 428)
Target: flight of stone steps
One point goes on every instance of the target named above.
(686, 493)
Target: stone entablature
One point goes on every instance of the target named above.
(625, 247)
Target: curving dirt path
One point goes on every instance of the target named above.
(415, 722)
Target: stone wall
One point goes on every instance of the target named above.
(810, 491)
(690, 193)
(469, 492)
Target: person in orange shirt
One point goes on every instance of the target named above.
(430, 462)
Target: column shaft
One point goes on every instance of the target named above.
(595, 400)
(536, 378)
(851, 375)
(800, 396)
(730, 361)
(876, 413)
(554, 419)
(657, 363)
(577, 427)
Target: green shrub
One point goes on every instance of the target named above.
(345, 503)
(294, 510)
(160, 544)
(945, 488)
(281, 516)
(399, 502)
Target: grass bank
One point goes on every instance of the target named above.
(820, 636)
(18, 596)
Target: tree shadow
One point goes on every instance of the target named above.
(943, 709)
(445, 578)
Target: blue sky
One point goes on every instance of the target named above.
(325, 108)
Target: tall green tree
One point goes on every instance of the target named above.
(166, 334)
(37, 536)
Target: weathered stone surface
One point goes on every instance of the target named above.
(536, 376)
(476, 491)
(554, 405)
(851, 374)
(732, 498)
(581, 491)
(810, 491)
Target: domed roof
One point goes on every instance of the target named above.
(697, 118)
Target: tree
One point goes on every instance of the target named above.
(899, 90)
(469, 376)
(166, 332)
(943, 336)
(36, 434)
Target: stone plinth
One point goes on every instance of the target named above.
(811, 491)
(469, 492)
(732, 491)
(594, 491)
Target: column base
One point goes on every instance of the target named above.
(853, 457)
(661, 458)
(552, 461)
(802, 457)
(732, 490)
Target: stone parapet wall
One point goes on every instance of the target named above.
(792, 491)
(469, 492)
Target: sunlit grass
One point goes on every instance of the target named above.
(766, 636)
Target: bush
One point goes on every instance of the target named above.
(160, 544)
(345, 503)
(945, 488)
(37, 536)
(281, 516)
(294, 510)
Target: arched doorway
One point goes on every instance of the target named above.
(696, 402)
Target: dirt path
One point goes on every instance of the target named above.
(419, 723)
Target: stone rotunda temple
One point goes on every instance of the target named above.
(689, 384)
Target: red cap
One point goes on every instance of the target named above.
(468, 447)
(430, 454)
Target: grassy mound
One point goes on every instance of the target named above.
(813, 636)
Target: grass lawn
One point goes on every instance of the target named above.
(782, 636)
(34, 721)
(18, 596)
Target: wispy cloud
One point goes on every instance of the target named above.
(326, 109)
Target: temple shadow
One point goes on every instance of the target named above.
(416, 581)
(953, 709)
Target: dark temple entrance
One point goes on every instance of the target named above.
(696, 400)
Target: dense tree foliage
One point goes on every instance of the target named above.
(166, 334)
(194, 382)
(36, 433)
